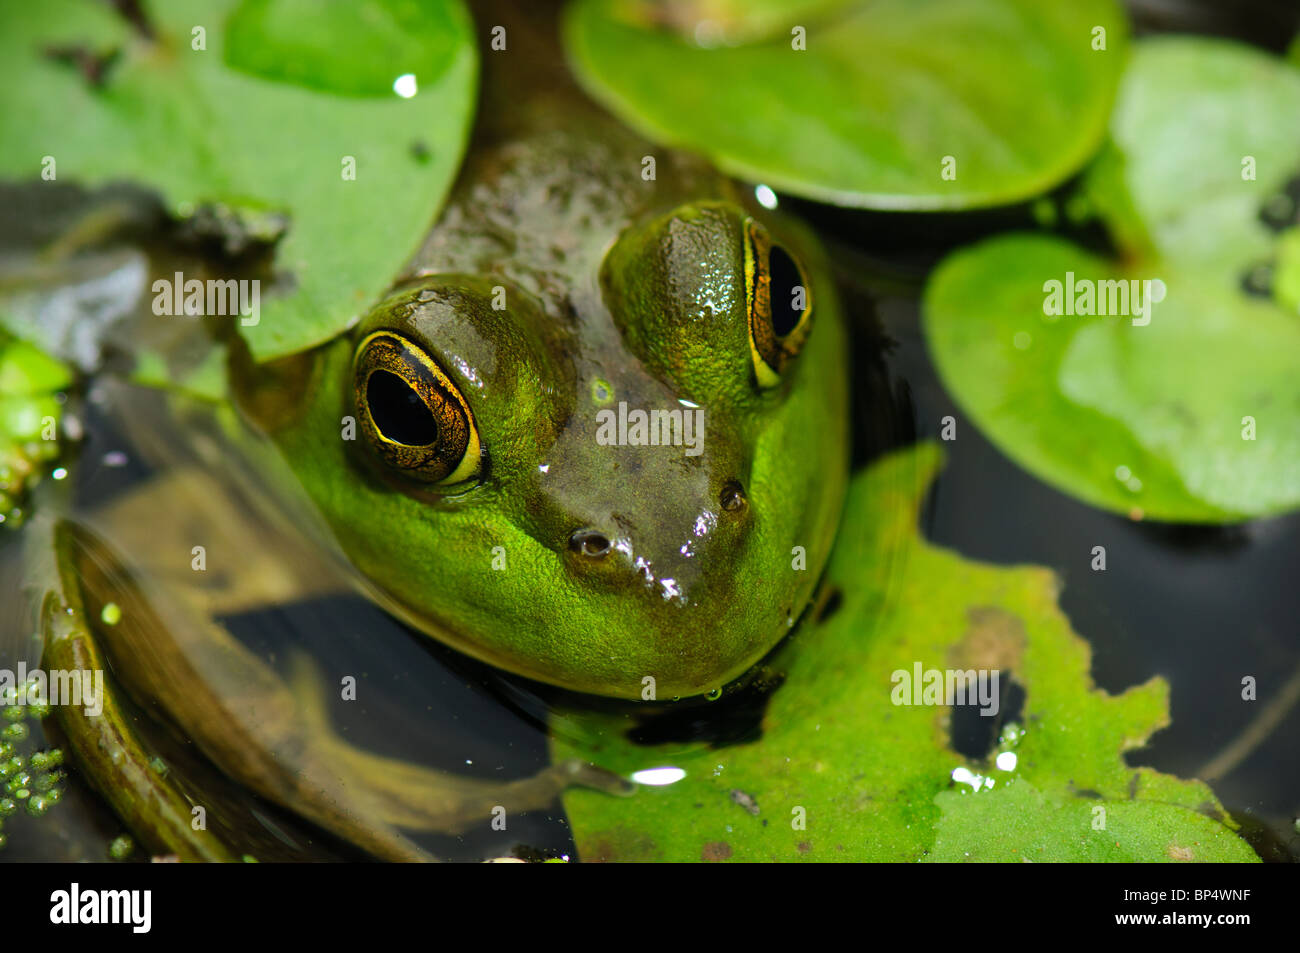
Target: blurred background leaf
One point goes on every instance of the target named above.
(1197, 188)
(1013, 90)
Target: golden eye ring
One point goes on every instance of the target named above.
(411, 414)
(779, 303)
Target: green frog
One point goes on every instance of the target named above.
(561, 290)
(596, 435)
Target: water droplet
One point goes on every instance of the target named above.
(405, 85)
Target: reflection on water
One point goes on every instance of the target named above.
(411, 704)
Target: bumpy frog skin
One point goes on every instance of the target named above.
(566, 276)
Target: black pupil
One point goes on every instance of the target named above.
(398, 411)
(785, 280)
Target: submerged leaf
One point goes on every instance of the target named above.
(841, 772)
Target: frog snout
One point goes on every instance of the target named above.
(669, 545)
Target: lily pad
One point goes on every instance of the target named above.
(1189, 411)
(1014, 92)
(842, 773)
(255, 112)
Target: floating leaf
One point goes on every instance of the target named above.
(1014, 91)
(1017, 822)
(249, 111)
(873, 780)
(1190, 411)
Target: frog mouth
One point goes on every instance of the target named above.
(730, 715)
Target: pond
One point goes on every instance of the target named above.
(1203, 605)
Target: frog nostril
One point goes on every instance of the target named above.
(733, 497)
(587, 542)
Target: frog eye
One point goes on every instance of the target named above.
(411, 414)
(779, 303)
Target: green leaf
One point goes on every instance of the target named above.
(865, 115)
(1194, 416)
(258, 120)
(1018, 822)
(875, 779)
(31, 415)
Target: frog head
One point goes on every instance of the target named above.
(626, 487)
